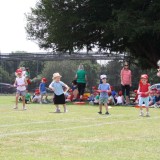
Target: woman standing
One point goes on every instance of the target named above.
(81, 78)
(126, 82)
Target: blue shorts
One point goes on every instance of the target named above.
(144, 100)
(43, 93)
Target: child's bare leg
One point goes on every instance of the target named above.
(100, 108)
(17, 96)
(23, 101)
(106, 106)
(141, 110)
(57, 109)
(65, 108)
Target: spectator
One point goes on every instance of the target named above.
(81, 78)
(126, 82)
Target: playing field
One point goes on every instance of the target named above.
(81, 134)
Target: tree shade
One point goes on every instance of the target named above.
(116, 25)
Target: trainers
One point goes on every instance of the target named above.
(15, 107)
(100, 112)
(58, 111)
(24, 108)
(147, 115)
(45, 101)
(107, 113)
(141, 114)
(65, 111)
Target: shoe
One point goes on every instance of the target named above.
(24, 108)
(107, 113)
(147, 115)
(65, 111)
(141, 114)
(57, 111)
(40, 102)
(15, 107)
(45, 101)
(100, 112)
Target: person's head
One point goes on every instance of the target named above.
(126, 65)
(144, 78)
(44, 80)
(74, 82)
(120, 93)
(56, 77)
(18, 72)
(81, 67)
(103, 77)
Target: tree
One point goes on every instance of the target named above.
(116, 25)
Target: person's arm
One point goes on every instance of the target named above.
(50, 87)
(121, 76)
(130, 78)
(66, 88)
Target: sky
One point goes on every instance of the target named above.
(13, 36)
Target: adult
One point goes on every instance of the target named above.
(81, 78)
(126, 82)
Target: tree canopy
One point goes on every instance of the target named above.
(117, 25)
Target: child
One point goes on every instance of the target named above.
(27, 97)
(37, 97)
(143, 91)
(119, 98)
(59, 93)
(43, 92)
(20, 83)
(103, 88)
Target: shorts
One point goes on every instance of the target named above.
(103, 100)
(144, 100)
(59, 99)
(21, 93)
(43, 93)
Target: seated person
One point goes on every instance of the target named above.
(119, 98)
(151, 98)
(157, 99)
(36, 97)
(110, 99)
(96, 99)
(27, 97)
(74, 90)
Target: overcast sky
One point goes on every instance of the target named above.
(12, 23)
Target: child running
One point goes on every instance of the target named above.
(59, 89)
(103, 88)
(143, 91)
(20, 83)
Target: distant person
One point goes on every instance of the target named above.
(126, 82)
(27, 97)
(20, 83)
(103, 89)
(81, 78)
(43, 91)
(59, 88)
(36, 97)
(143, 91)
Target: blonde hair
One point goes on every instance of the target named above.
(81, 67)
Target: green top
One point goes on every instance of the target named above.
(28, 96)
(81, 74)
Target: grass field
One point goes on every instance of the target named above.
(81, 134)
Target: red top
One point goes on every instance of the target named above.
(144, 88)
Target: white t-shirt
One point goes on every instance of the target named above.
(20, 81)
(119, 100)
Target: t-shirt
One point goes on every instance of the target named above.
(81, 74)
(104, 86)
(126, 76)
(144, 88)
(58, 87)
(20, 81)
(42, 87)
(28, 96)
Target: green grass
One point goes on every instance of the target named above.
(80, 134)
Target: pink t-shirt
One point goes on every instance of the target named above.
(126, 77)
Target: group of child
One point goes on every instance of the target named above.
(104, 95)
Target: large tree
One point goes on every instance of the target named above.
(116, 25)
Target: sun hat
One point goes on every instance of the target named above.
(56, 75)
(144, 76)
(103, 76)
